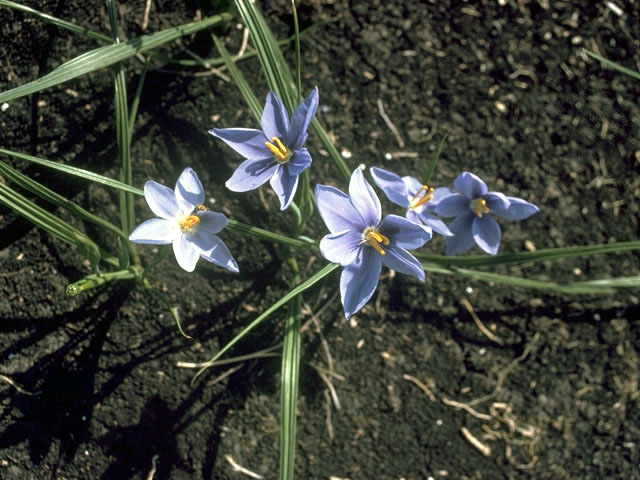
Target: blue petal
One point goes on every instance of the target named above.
(161, 200)
(364, 199)
(337, 211)
(403, 233)
(299, 162)
(519, 209)
(436, 224)
(189, 191)
(251, 174)
(496, 201)
(470, 185)
(156, 231)
(212, 222)
(462, 239)
(401, 261)
(248, 142)
(341, 247)
(359, 280)
(218, 253)
(439, 194)
(301, 119)
(413, 185)
(454, 205)
(275, 118)
(487, 234)
(285, 186)
(186, 252)
(392, 186)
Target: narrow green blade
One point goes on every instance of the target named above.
(106, 56)
(612, 64)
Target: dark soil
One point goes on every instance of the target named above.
(102, 396)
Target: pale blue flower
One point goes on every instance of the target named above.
(361, 242)
(185, 223)
(473, 209)
(419, 200)
(276, 152)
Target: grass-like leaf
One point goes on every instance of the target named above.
(103, 57)
(526, 257)
(296, 291)
(612, 64)
(77, 172)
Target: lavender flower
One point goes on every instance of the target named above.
(419, 200)
(184, 222)
(474, 208)
(362, 243)
(276, 152)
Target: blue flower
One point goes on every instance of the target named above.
(474, 208)
(362, 243)
(184, 222)
(419, 200)
(276, 152)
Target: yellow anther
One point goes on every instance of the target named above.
(282, 153)
(419, 198)
(479, 207)
(189, 222)
(201, 208)
(374, 238)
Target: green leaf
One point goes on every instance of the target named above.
(526, 257)
(426, 178)
(109, 55)
(273, 237)
(57, 21)
(296, 291)
(78, 172)
(612, 64)
(97, 280)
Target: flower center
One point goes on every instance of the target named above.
(374, 238)
(188, 222)
(421, 197)
(282, 153)
(479, 207)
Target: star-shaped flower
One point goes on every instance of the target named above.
(276, 152)
(474, 208)
(185, 223)
(361, 242)
(419, 200)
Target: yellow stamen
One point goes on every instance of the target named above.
(189, 222)
(282, 153)
(418, 200)
(201, 208)
(479, 207)
(374, 238)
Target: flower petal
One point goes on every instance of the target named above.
(251, 174)
(301, 119)
(496, 201)
(341, 247)
(519, 209)
(275, 118)
(218, 253)
(299, 162)
(439, 194)
(364, 199)
(337, 211)
(248, 142)
(401, 261)
(186, 252)
(413, 185)
(454, 205)
(212, 222)
(462, 239)
(470, 185)
(285, 186)
(359, 280)
(403, 233)
(435, 223)
(189, 191)
(156, 231)
(487, 234)
(161, 200)
(392, 185)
